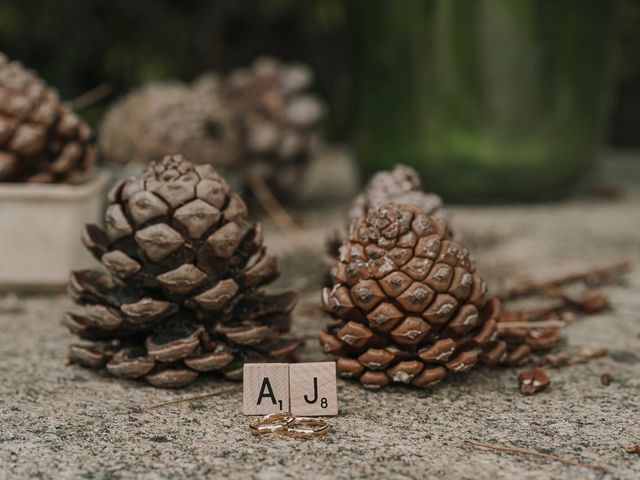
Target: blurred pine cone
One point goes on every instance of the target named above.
(183, 294)
(41, 139)
(401, 186)
(276, 120)
(164, 118)
(410, 304)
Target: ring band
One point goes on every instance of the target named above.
(305, 427)
(271, 423)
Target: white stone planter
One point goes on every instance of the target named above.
(41, 229)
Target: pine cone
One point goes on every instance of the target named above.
(162, 118)
(277, 121)
(400, 186)
(41, 139)
(183, 295)
(410, 304)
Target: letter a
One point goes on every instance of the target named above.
(266, 385)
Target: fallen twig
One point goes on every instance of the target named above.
(536, 314)
(272, 206)
(591, 301)
(235, 388)
(562, 307)
(594, 276)
(531, 324)
(90, 97)
(534, 453)
(281, 217)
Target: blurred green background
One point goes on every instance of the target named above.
(77, 46)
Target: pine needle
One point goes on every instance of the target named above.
(600, 275)
(534, 453)
(91, 97)
(281, 217)
(273, 207)
(539, 324)
(222, 391)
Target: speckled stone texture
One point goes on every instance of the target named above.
(61, 421)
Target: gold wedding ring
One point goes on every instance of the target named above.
(271, 423)
(304, 427)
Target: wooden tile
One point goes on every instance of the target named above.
(313, 389)
(265, 388)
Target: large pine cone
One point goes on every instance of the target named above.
(277, 121)
(183, 295)
(169, 117)
(410, 304)
(41, 139)
(400, 186)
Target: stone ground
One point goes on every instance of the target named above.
(60, 421)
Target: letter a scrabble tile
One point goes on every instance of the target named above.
(265, 388)
(313, 389)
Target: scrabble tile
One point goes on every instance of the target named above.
(313, 389)
(265, 388)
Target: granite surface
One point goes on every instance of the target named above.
(60, 421)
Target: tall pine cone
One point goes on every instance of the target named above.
(401, 186)
(183, 294)
(409, 302)
(41, 139)
(276, 120)
(169, 117)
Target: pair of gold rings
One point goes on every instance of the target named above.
(287, 425)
